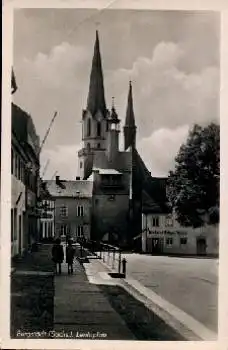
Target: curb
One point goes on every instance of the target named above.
(184, 324)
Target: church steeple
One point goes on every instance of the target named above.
(130, 127)
(96, 98)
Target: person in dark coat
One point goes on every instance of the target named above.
(58, 255)
(70, 253)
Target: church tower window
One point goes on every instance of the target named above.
(98, 128)
(89, 127)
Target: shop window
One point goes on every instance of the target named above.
(63, 211)
(183, 241)
(155, 221)
(169, 241)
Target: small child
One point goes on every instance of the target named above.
(70, 252)
(58, 255)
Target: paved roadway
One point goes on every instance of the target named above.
(189, 283)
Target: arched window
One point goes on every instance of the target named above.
(98, 128)
(89, 127)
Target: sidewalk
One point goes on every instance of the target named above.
(82, 311)
(32, 293)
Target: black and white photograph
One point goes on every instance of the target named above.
(115, 174)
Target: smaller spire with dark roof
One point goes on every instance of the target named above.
(114, 116)
(130, 127)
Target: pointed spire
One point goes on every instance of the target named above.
(130, 127)
(130, 117)
(96, 98)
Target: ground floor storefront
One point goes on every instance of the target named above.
(201, 242)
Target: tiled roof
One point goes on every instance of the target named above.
(66, 188)
(154, 187)
(23, 127)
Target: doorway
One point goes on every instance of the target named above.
(201, 246)
(157, 245)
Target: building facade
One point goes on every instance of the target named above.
(162, 234)
(72, 201)
(47, 213)
(24, 179)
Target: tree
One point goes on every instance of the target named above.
(193, 186)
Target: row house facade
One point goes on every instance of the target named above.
(24, 182)
(72, 205)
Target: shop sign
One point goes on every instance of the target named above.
(166, 232)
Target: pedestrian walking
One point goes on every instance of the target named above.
(70, 253)
(58, 255)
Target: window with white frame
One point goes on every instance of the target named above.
(63, 211)
(169, 241)
(169, 221)
(80, 210)
(80, 231)
(155, 221)
(63, 230)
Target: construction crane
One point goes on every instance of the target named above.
(45, 168)
(47, 132)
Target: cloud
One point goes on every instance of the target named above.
(165, 95)
(63, 159)
(167, 100)
(161, 147)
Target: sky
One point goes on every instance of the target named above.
(171, 57)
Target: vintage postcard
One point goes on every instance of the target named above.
(112, 207)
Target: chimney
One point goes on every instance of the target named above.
(77, 177)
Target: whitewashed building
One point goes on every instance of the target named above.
(162, 234)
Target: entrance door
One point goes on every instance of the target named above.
(201, 246)
(157, 245)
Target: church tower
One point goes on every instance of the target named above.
(94, 117)
(113, 135)
(130, 127)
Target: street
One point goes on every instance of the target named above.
(191, 284)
